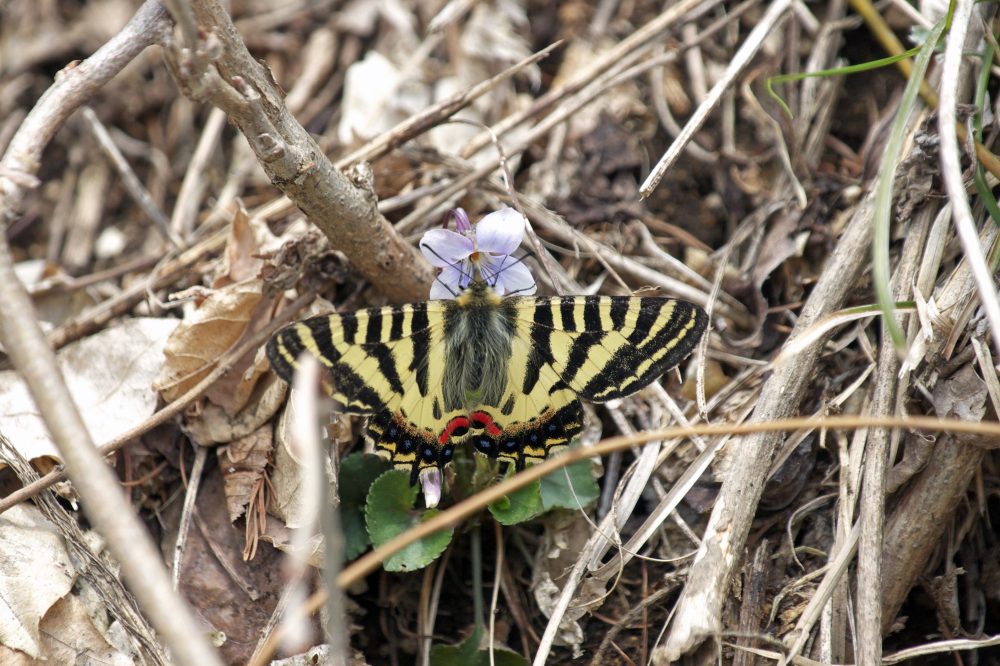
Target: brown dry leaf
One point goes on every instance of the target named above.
(290, 503)
(213, 425)
(242, 463)
(109, 374)
(205, 335)
(240, 262)
(280, 536)
(565, 534)
(961, 396)
(37, 572)
(236, 599)
(715, 381)
(69, 636)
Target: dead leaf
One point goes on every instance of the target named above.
(376, 98)
(961, 396)
(242, 463)
(110, 375)
(212, 425)
(204, 336)
(37, 572)
(290, 504)
(280, 536)
(715, 381)
(565, 534)
(240, 262)
(69, 636)
(235, 600)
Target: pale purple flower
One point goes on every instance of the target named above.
(486, 247)
(430, 483)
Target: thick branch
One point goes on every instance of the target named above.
(222, 72)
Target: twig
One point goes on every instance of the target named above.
(888, 386)
(951, 167)
(128, 540)
(132, 184)
(193, 186)
(123, 302)
(188, 512)
(73, 87)
(740, 59)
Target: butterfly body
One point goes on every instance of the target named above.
(504, 374)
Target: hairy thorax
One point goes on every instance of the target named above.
(479, 329)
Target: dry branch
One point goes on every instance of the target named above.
(73, 87)
(221, 71)
(699, 612)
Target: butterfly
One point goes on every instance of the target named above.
(505, 374)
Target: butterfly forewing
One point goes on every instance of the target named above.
(393, 364)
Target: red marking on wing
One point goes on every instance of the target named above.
(484, 420)
(457, 423)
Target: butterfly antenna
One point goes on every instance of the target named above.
(493, 277)
(457, 267)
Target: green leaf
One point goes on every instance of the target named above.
(450, 655)
(390, 512)
(357, 471)
(467, 653)
(572, 487)
(520, 506)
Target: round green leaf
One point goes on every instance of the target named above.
(572, 487)
(390, 512)
(519, 506)
(357, 471)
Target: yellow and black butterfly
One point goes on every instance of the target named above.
(504, 374)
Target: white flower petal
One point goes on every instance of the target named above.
(517, 279)
(500, 232)
(430, 483)
(444, 248)
(448, 284)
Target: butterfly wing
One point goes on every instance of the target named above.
(595, 347)
(385, 363)
(608, 347)
(390, 364)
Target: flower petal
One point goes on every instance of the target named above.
(517, 279)
(448, 284)
(461, 220)
(500, 232)
(444, 248)
(430, 483)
